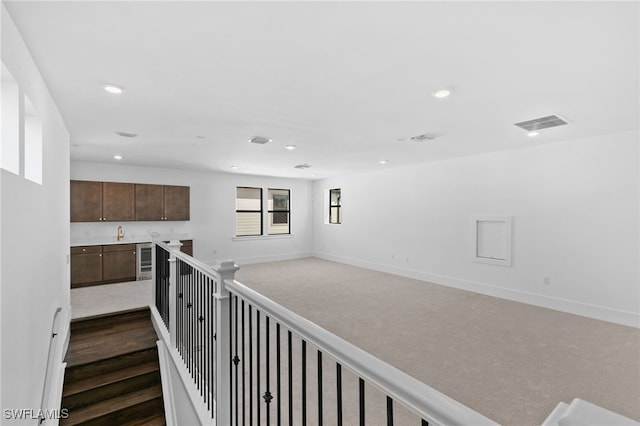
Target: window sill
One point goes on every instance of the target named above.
(262, 237)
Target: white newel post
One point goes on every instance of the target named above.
(175, 246)
(226, 271)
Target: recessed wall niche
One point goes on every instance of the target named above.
(492, 240)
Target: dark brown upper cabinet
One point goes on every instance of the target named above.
(118, 202)
(162, 202)
(102, 201)
(149, 202)
(86, 201)
(176, 202)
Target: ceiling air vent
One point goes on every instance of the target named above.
(542, 123)
(302, 166)
(126, 134)
(419, 138)
(260, 140)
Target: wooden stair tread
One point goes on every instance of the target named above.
(78, 324)
(107, 365)
(158, 420)
(96, 346)
(112, 405)
(94, 381)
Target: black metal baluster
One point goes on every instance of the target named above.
(278, 394)
(200, 326)
(212, 338)
(244, 355)
(289, 349)
(231, 363)
(361, 399)
(339, 392)
(250, 393)
(258, 404)
(210, 323)
(425, 423)
(267, 395)
(304, 382)
(236, 359)
(389, 411)
(319, 388)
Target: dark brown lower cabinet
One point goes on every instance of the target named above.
(119, 262)
(187, 247)
(92, 265)
(86, 266)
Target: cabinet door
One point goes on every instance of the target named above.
(119, 262)
(149, 202)
(187, 247)
(118, 201)
(176, 202)
(86, 266)
(86, 201)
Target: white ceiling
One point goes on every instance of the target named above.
(340, 80)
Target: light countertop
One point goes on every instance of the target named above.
(128, 239)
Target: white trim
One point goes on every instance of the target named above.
(628, 318)
(198, 405)
(167, 387)
(475, 256)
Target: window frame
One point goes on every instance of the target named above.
(261, 211)
(338, 207)
(271, 212)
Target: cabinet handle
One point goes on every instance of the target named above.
(84, 249)
(134, 252)
(100, 255)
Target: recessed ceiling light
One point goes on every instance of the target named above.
(117, 157)
(383, 161)
(290, 147)
(235, 167)
(533, 134)
(113, 89)
(442, 93)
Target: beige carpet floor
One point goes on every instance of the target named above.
(510, 361)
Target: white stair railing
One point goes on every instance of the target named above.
(238, 347)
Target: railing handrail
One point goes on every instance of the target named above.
(425, 401)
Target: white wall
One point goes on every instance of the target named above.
(212, 223)
(575, 209)
(35, 242)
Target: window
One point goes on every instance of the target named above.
(10, 123)
(32, 143)
(335, 210)
(248, 211)
(279, 213)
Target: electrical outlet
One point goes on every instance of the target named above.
(547, 280)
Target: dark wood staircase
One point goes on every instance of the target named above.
(113, 374)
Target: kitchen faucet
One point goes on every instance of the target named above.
(120, 233)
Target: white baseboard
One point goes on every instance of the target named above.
(631, 319)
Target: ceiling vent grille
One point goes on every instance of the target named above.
(542, 123)
(260, 140)
(302, 166)
(127, 134)
(419, 138)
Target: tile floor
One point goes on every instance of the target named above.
(102, 299)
